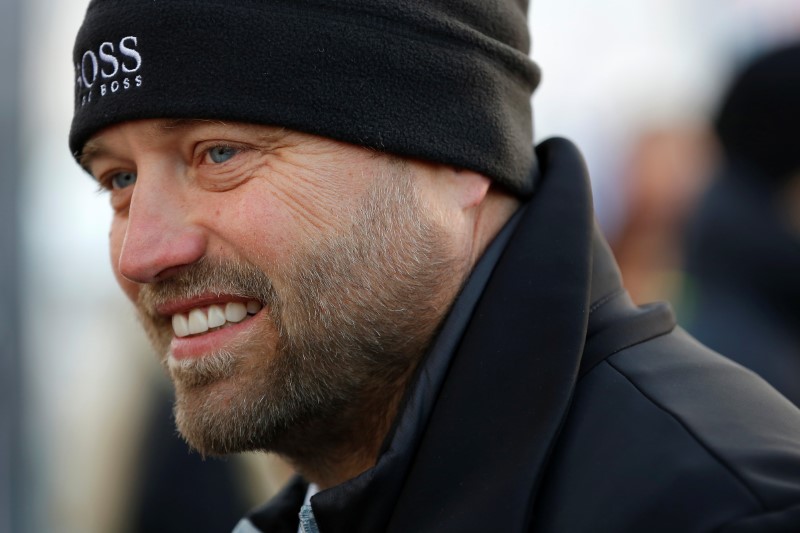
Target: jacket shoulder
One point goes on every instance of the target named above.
(669, 436)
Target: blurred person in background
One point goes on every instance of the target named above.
(743, 260)
(345, 249)
(666, 171)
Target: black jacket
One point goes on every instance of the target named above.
(550, 403)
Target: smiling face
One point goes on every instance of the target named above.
(290, 283)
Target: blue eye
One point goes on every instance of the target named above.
(121, 180)
(220, 154)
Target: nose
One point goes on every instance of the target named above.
(159, 236)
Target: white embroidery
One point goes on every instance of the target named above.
(93, 58)
(109, 58)
(130, 52)
(112, 64)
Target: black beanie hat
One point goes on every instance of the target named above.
(759, 119)
(432, 79)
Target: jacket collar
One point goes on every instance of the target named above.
(507, 387)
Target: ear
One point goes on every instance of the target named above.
(456, 188)
(470, 187)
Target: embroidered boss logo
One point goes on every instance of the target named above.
(109, 69)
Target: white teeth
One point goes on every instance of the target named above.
(216, 316)
(202, 319)
(235, 312)
(180, 325)
(198, 321)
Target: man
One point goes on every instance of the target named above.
(336, 232)
(744, 244)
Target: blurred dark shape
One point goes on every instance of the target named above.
(743, 261)
(758, 121)
(178, 490)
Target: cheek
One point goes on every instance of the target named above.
(260, 228)
(116, 237)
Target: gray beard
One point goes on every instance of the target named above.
(354, 314)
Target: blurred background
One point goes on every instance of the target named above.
(86, 440)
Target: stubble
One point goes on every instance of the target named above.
(346, 325)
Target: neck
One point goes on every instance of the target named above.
(494, 212)
(346, 447)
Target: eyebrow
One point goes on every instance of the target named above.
(183, 123)
(95, 148)
(91, 150)
(271, 135)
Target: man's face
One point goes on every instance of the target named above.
(287, 281)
